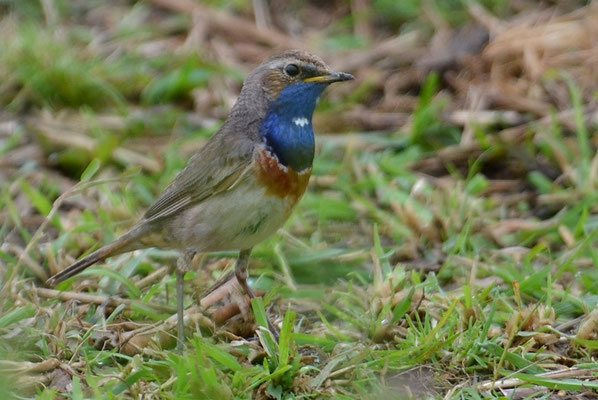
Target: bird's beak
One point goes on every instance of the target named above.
(330, 77)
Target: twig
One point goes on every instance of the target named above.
(230, 24)
(393, 47)
(570, 324)
(20, 367)
(220, 289)
(153, 277)
(263, 20)
(360, 10)
(224, 313)
(513, 382)
(69, 138)
(134, 342)
(485, 117)
(494, 25)
(96, 299)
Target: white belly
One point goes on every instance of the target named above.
(233, 220)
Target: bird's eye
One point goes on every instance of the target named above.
(291, 70)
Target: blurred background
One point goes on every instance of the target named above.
(461, 157)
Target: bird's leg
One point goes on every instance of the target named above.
(183, 265)
(241, 275)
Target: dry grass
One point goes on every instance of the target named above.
(445, 249)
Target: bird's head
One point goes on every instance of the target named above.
(299, 72)
(277, 102)
(290, 83)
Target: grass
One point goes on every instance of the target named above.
(393, 279)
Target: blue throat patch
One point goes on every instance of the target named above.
(287, 128)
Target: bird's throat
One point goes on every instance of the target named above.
(291, 140)
(287, 128)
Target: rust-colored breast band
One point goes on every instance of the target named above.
(280, 181)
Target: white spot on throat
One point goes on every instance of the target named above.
(300, 121)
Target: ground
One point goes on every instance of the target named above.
(445, 249)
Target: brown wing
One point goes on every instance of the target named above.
(207, 173)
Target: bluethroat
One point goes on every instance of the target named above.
(245, 182)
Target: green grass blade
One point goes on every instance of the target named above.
(16, 315)
(286, 336)
(221, 356)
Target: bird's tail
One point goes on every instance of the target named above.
(127, 242)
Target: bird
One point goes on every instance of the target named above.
(243, 184)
